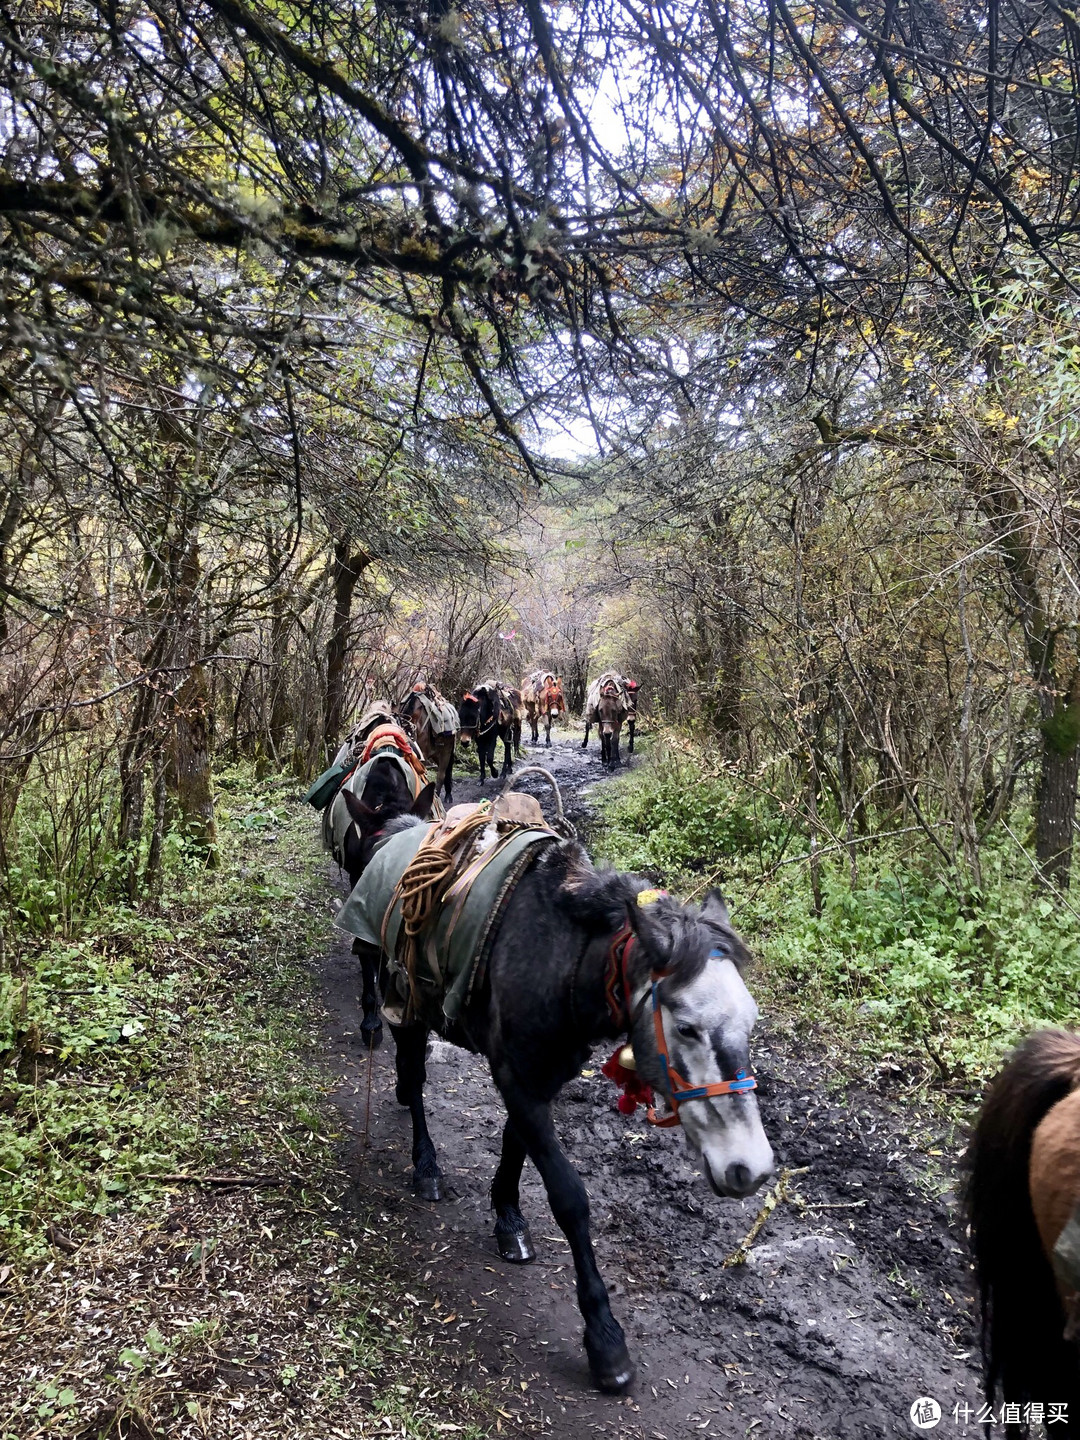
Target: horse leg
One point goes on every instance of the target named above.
(517, 738)
(511, 1231)
(585, 742)
(371, 1031)
(605, 748)
(448, 779)
(605, 1343)
(631, 725)
(614, 758)
(508, 752)
(534, 725)
(411, 1043)
(547, 729)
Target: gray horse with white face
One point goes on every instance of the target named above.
(579, 957)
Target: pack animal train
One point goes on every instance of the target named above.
(1023, 1210)
(491, 712)
(569, 957)
(611, 702)
(542, 696)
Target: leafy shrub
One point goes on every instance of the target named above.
(670, 821)
(902, 965)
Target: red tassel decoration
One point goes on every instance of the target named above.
(635, 1091)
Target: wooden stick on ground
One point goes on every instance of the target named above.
(776, 1194)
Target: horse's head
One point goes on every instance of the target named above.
(476, 712)
(610, 708)
(410, 709)
(704, 1017)
(469, 713)
(386, 797)
(553, 700)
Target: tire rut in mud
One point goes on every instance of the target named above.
(852, 1301)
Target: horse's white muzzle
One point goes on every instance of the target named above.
(736, 1156)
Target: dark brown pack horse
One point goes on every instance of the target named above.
(435, 724)
(1023, 1204)
(542, 696)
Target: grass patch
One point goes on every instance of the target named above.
(899, 966)
(140, 1300)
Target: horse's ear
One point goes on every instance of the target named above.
(651, 931)
(362, 814)
(714, 907)
(421, 806)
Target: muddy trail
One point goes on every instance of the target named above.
(852, 1301)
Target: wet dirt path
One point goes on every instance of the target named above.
(852, 1302)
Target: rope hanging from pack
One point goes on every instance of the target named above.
(420, 889)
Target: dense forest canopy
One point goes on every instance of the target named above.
(301, 301)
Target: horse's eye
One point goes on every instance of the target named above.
(688, 1032)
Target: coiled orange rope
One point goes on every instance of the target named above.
(423, 884)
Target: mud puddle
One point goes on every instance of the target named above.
(852, 1301)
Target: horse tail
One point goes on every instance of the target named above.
(1024, 1354)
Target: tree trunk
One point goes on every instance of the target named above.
(194, 789)
(349, 565)
(152, 875)
(1059, 704)
(1055, 792)
(193, 716)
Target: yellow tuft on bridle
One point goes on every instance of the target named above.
(649, 897)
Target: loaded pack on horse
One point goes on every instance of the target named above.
(542, 696)
(491, 712)
(378, 764)
(611, 702)
(435, 724)
(550, 958)
(1023, 1208)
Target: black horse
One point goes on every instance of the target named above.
(575, 961)
(490, 713)
(386, 793)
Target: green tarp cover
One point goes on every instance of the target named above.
(326, 787)
(442, 716)
(362, 914)
(448, 959)
(337, 819)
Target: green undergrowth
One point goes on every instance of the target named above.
(898, 965)
(135, 1049)
(147, 1066)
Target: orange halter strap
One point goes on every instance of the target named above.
(617, 991)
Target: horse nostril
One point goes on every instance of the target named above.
(738, 1178)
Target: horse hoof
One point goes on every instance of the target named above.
(371, 1035)
(615, 1379)
(516, 1246)
(429, 1187)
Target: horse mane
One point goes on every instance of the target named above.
(1024, 1353)
(401, 822)
(598, 900)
